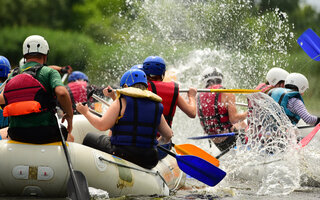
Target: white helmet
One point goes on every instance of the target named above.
(35, 44)
(275, 75)
(22, 62)
(211, 74)
(298, 80)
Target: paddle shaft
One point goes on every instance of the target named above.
(167, 151)
(3, 84)
(213, 136)
(242, 104)
(63, 79)
(303, 127)
(100, 99)
(222, 153)
(223, 90)
(72, 174)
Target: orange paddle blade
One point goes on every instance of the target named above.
(189, 149)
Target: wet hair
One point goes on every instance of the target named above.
(293, 87)
(213, 82)
(140, 86)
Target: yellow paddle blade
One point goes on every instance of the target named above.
(189, 149)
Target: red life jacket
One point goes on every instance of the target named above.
(213, 114)
(78, 92)
(264, 87)
(169, 92)
(24, 94)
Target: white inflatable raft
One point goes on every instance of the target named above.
(41, 170)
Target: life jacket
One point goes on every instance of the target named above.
(169, 92)
(78, 92)
(139, 124)
(282, 96)
(24, 94)
(264, 87)
(213, 115)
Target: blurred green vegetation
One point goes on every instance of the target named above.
(95, 36)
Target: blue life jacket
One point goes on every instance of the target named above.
(3, 120)
(282, 96)
(139, 124)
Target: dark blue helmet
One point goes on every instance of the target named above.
(77, 75)
(132, 77)
(4, 66)
(154, 65)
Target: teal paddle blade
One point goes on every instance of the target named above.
(200, 169)
(309, 41)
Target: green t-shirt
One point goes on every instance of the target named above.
(50, 79)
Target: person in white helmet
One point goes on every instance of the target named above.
(217, 111)
(30, 97)
(290, 99)
(275, 78)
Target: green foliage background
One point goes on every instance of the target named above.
(95, 36)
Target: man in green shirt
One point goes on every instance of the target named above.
(33, 120)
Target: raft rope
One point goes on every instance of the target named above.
(134, 168)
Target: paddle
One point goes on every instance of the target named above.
(100, 99)
(189, 149)
(309, 137)
(309, 41)
(242, 104)
(77, 184)
(223, 90)
(63, 79)
(212, 136)
(198, 168)
(303, 127)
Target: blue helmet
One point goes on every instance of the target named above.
(132, 77)
(4, 66)
(138, 66)
(77, 75)
(154, 65)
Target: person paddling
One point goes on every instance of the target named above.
(134, 118)
(30, 97)
(78, 87)
(275, 78)
(290, 99)
(155, 68)
(217, 111)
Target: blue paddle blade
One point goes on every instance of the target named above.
(212, 136)
(200, 169)
(310, 43)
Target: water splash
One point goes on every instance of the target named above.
(269, 160)
(177, 29)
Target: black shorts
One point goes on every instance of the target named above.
(37, 135)
(144, 157)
